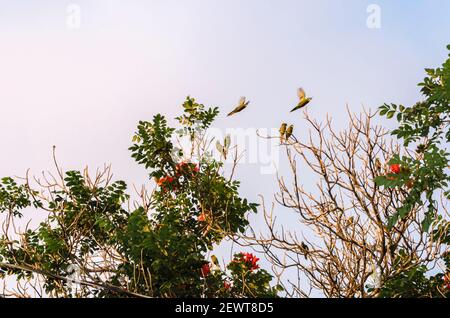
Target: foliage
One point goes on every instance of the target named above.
(13, 197)
(158, 249)
(425, 124)
(414, 283)
(341, 244)
(424, 175)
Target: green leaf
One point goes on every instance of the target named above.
(380, 180)
(393, 220)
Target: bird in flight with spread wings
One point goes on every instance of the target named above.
(243, 103)
(303, 100)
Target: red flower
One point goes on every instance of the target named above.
(206, 269)
(250, 259)
(447, 281)
(162, 181)
(226, 285)
(180, 166)
(184, 167)
(202, 217)
(395, 168)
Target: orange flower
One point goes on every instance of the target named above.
(160, 181)
(395, 168)
(251, 259)
(202, 217)
(164, 180)
(184, 167)
(248, 258)
(180, 166)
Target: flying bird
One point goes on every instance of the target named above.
(303, 100)
(243, 103)
(282, 131)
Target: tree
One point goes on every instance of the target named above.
(154, 247)
(347, 247)
(424, 125)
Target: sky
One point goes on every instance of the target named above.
(80, 74)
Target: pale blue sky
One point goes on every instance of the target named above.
(131, 59)
(84, 90)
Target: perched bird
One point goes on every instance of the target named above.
(378, 165)
(289, 132)
(223, 149)
(215, 262)
(305, 249)
(350, 221)
(282, 131)
(304, 246)
(219, 146)
(303, 100)
(227, 142)
(243, 103)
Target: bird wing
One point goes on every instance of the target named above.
(295, 108)
(242, 101)
(227, 142)
(236, 110)
(219, 146)
(301, 93)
